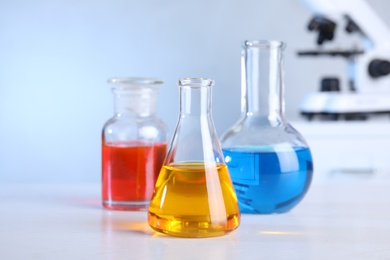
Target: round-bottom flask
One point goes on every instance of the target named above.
(194, 195)
(269, 161)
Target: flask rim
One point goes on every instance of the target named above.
(263, 43)
(195, 82)
(134, 81)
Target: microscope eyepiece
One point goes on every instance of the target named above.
(325, 28)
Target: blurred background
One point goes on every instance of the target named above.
(56, 56)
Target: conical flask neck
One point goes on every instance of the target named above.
(262, 79)
(195, 138)
(195, 101)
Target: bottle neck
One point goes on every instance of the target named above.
(262, 80)
(134, 96)
(138, 102)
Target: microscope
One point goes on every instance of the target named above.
(368, 90)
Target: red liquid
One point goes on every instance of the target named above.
(129, 174)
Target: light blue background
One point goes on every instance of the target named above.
(56, 55)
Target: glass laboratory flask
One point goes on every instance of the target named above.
(134, 145)
(194, 195)
(269, 161)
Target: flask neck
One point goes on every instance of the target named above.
(195, 100)
(195, 138)
(262, 79)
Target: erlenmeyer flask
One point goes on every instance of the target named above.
(194, 195)
(269, 161)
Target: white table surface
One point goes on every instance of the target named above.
(336, 220)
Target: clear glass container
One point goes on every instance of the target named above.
(194, 195)
(134, 143)
(269, 161)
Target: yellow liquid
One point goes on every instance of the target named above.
(194, 200)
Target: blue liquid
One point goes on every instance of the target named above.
(269, 179)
